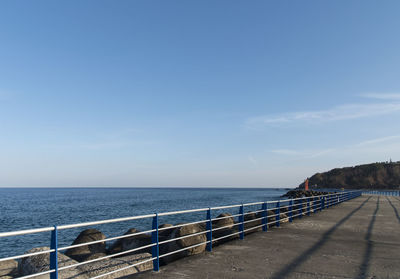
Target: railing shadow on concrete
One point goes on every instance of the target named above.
(289, 268)
(394, 209)
(270, 213)
(368, 252)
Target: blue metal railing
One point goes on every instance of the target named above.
(382, 193)
(271, 213)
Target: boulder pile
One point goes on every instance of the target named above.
(297, 193)
(175, 238)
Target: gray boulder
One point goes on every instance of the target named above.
(271, 218)
(252, 216)
(183, 243)
(8, 268)
(81, 253)
(40, 263)
(283, 218)
(164, 233)
(132, 242)
(228, 222)
(231, 228)
(95, 256)
(105, 266)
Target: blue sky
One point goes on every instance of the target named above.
(195, 93)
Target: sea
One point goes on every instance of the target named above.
(28, 208)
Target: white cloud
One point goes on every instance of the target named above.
(387, 145)
(309, 153)
(342, 112)
(318, 153)
(286, 152)
(382, 96)
(378, 140)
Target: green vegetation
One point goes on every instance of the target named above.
(385, 175)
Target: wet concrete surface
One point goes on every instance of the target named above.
(356, 239)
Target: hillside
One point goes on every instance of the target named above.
(370, 176)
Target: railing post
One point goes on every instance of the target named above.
(209, 229)
(314, 206)
(264, 217)
(308, 207)
(291, 211)
(320, 203)
(278, 212)
(54, 255)
(241, 222)
(300, 208)
(155, 250)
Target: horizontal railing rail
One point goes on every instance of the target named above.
(382, 193)
(271, 213)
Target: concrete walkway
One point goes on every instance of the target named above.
(356, 239)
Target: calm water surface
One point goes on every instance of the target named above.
(42, 207)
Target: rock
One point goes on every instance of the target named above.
(229, 223)
(163, 234)
(284, 209)
(283, 218)
(183, 243)
(132, 242)
(251, 216)
(299, 207)
(40, 263)
(105, 266)
(82, 253)
(95, 256)
(8, 268)
(297, 193)
(271, 218)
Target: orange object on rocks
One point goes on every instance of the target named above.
(306, 184)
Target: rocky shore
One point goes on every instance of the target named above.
(299, 193)
(40, 263)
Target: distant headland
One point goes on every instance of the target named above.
(384, 175)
